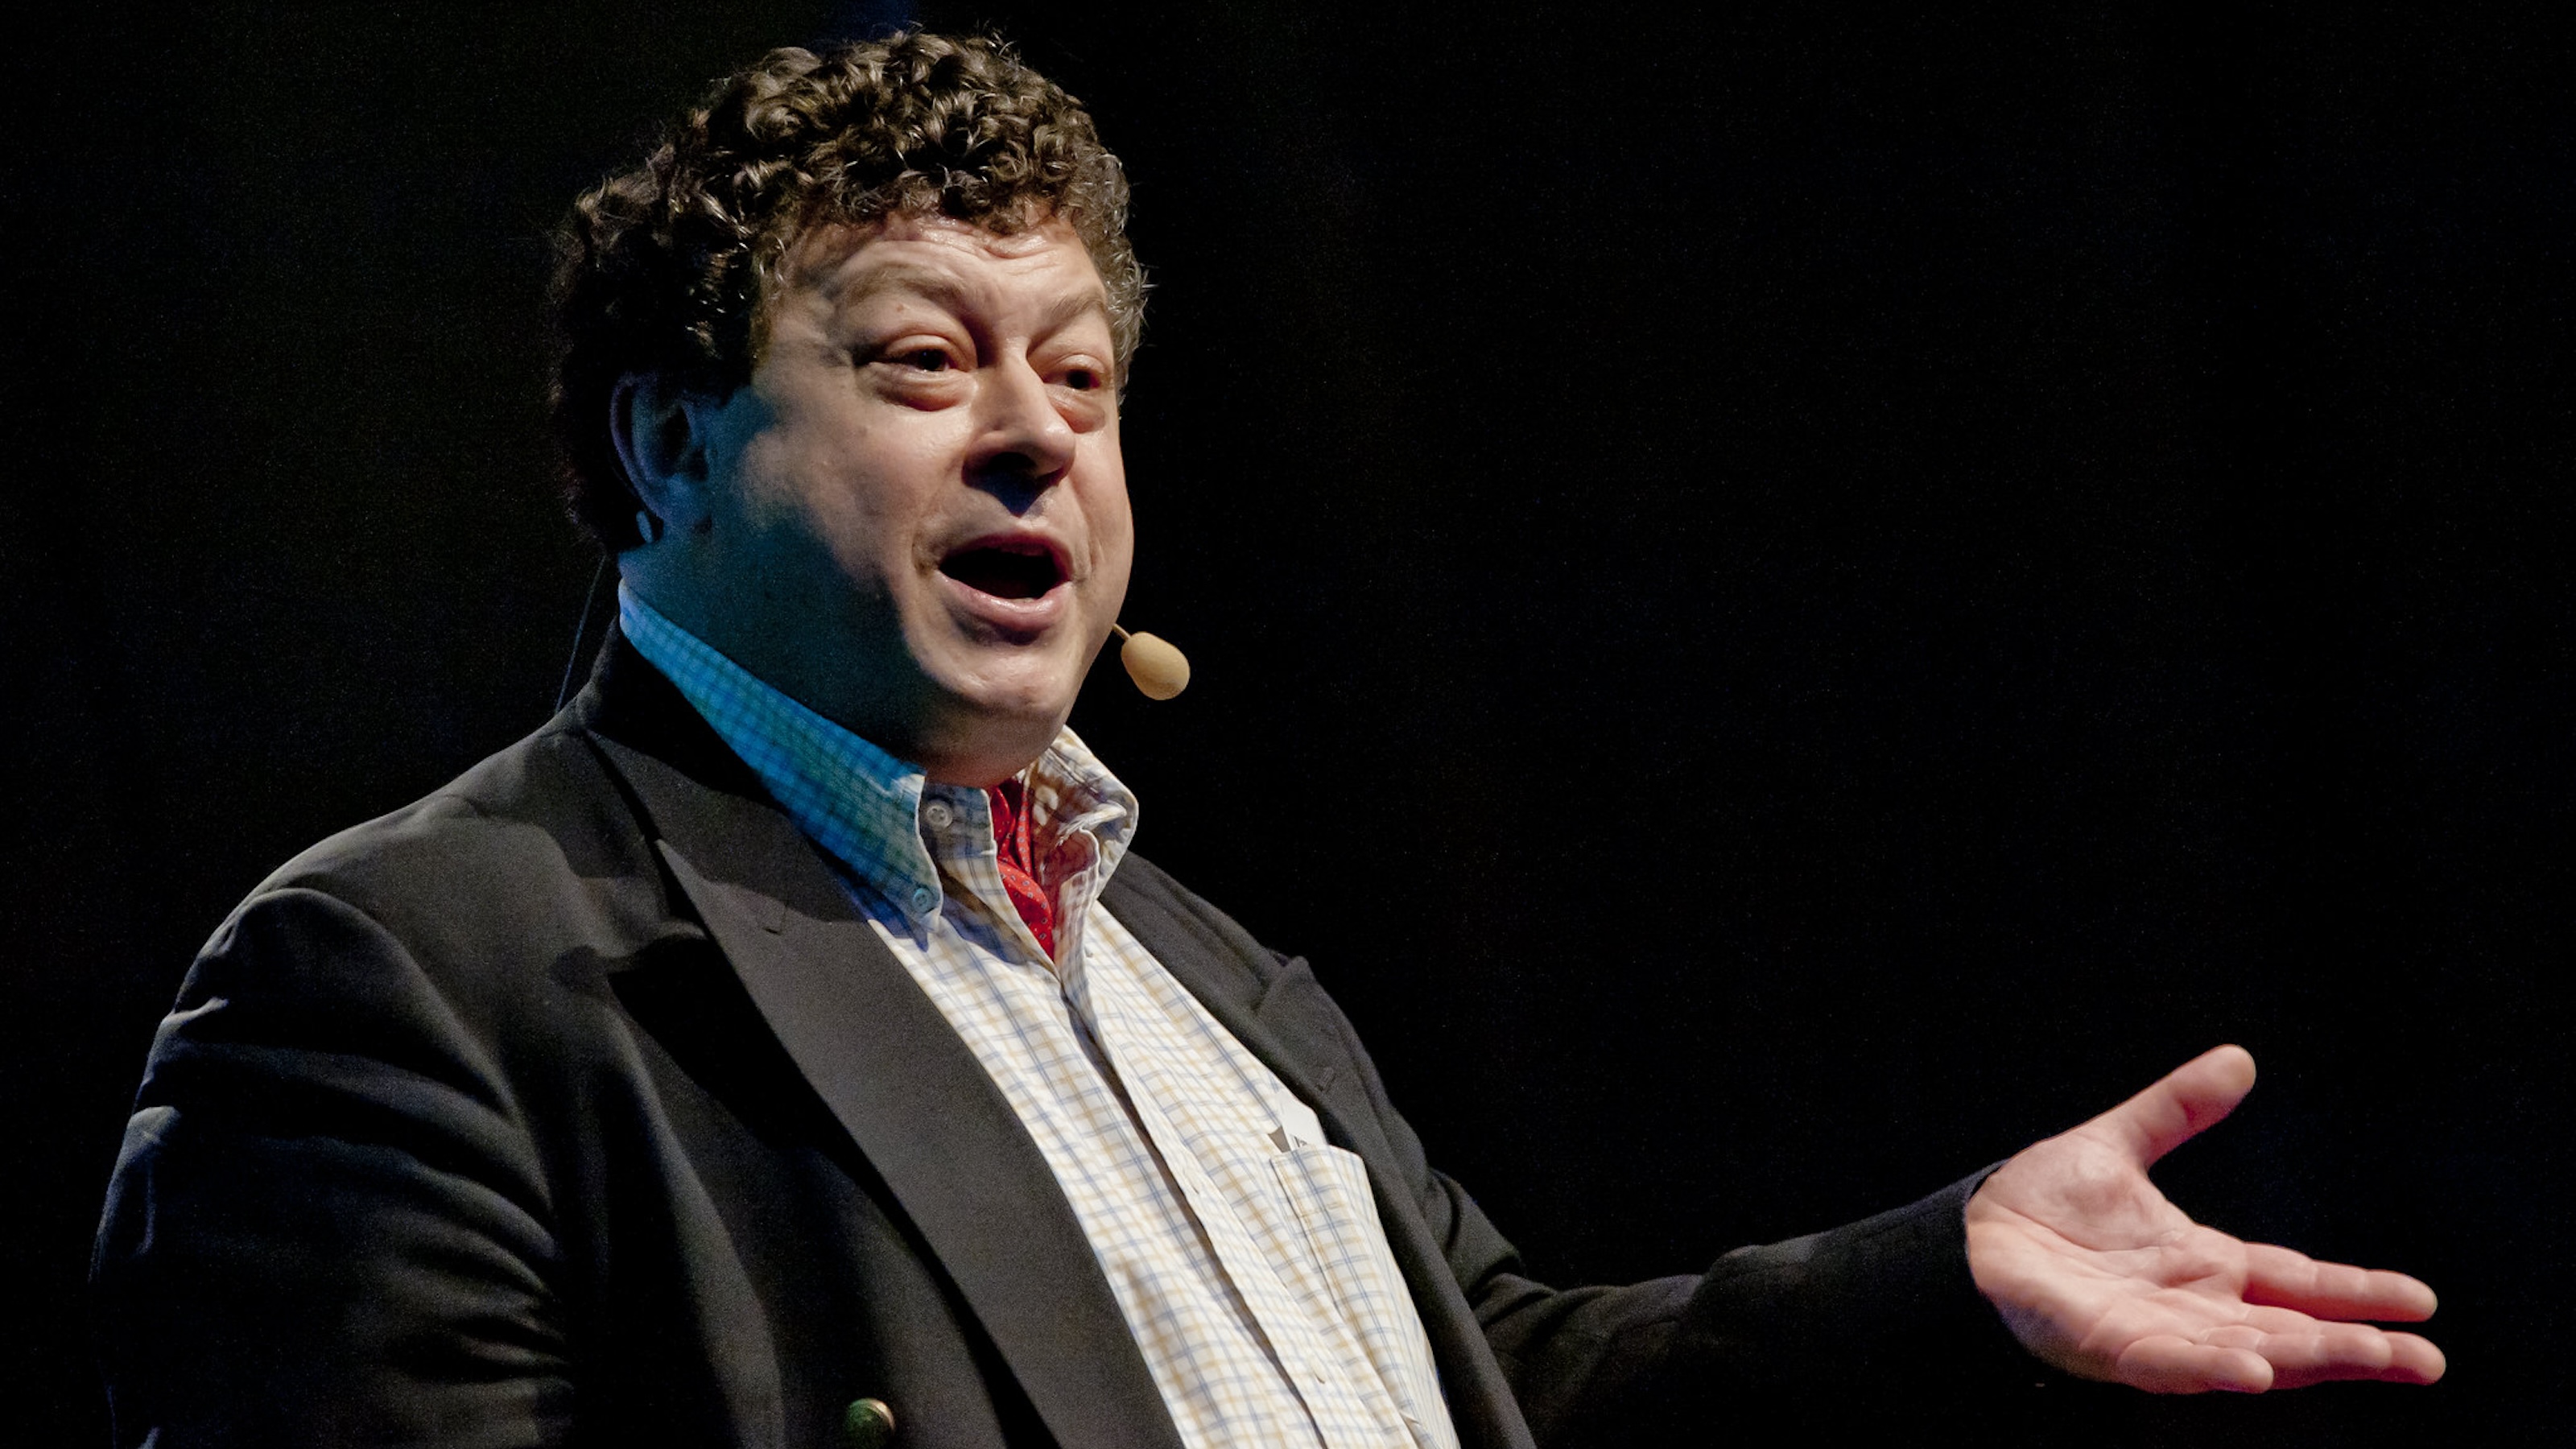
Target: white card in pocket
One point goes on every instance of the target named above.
(1298, 1124)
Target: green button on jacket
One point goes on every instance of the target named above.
(866, 1424)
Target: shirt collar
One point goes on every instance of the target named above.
(860, 804)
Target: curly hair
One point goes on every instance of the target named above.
(666, 268)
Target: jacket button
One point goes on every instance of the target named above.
(866, 1424)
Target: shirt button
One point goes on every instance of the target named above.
(938, 814)
(922, 897)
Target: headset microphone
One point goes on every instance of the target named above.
(1160, 670)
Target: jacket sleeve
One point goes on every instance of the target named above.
(1866, 1322)
(1879, 1317)
(327, 1225)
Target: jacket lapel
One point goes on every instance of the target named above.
(886, 1063)
(1282, 1016)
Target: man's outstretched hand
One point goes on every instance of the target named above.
(2096, 1273)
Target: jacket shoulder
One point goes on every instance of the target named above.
(532, 854)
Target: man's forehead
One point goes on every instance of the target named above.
(938, 257)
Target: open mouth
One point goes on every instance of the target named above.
(1005, 569)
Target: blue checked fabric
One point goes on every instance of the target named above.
(1243, 1249)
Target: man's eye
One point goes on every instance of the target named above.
(1082, 379)
(923, 359)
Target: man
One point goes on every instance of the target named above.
(782, 1046)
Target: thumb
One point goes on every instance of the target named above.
(2188, 1101)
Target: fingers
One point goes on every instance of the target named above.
(2170, 1365)
(2248, 1360)
(2413, 1360)
(2304, 1352)
(2390, 1357)
(2190, 1099)
(2285, 1279)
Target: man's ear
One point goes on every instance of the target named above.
(661, 431)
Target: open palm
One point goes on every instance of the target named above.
(2096, 1273)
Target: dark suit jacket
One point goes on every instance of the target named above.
(575, 1104)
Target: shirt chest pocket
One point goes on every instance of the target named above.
(1327, 1190)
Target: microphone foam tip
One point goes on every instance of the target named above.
(1160, 670)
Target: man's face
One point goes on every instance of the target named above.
(919, 513)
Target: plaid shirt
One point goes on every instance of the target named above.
(1243, 1249)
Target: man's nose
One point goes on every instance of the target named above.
(1023, 443)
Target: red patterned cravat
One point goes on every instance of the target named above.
(1019, 876)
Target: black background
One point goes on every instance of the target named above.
(1783, 605)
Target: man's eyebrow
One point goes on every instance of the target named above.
(1071, 308)
(942, 290)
